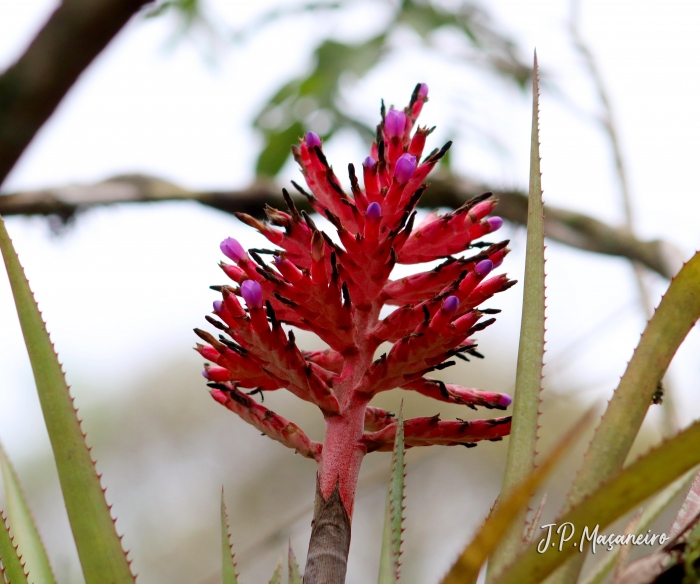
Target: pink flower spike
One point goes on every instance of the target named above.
(395, 123)
(444, 315)
(405, 167)
(252, 293)
(483, 267)
(495, 223)
(219, 396)
(373, 218)
(232, 249)
(312, 139)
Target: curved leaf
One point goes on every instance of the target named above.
(629, 488)
(466, 569)
(26, 534)
(228, 568)
(12, 567)
(393, 516)
(99, 547)
(526, 401)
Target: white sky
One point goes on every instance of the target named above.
(125, 286)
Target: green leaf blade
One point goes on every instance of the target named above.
(294, 572)
(624, 492)
(522, 444)
(228, 566)
(393, 516)
(26, 534)
(12, 568)
(99, 547)
(277, 575)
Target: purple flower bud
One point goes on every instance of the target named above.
(217, 305)
(312, 139)
(395, 123)
(205, 374)
(423, 91)
(451, 304)
(505, 400)
(252, 293)
(405, 167)
(374, 212)
(369, 162)
(483, 267)
(232, 249)
(495, 223)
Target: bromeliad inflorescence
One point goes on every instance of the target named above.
(337, 290)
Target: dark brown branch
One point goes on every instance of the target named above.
(32, 88)
(568, 227)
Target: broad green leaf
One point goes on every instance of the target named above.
(277, 576)
(526, 400)
(393, 516)
(466, 569)
(276, 150)
(24, 530)
(96, 539)
(621, 494)
(294, 573)
(12, 567)
(677, 313)
(649, 515)
(228, 569)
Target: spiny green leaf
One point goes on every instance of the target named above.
(228, 565)
(526, 401)
(277, 576)
(649, 515)
(24, 530)
(677, 313)
(99, 547)
(12, 567)
(466, 569)
(393, 516)
(294, 573)
(624, 492)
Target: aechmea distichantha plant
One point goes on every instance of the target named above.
(337, 291)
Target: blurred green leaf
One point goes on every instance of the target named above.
(467, 567)
(12, 568)
(294, 573)
(522, 444)
(228, 565)
(277, 576)
(24, 530)
(677, 313)
(649, 515)
(276, 150)
(624, 492)
(99, 547)
(393, 516)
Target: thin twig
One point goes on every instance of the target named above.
(568, 227)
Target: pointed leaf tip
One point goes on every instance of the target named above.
(12, 568)
(294, 573)
(393, 517)
(277, 575)
(228, 567)
(26, 534)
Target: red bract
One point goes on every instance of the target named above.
(337, 288)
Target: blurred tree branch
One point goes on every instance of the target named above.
(32, 88)
(568, 227)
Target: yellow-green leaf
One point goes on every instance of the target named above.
(277, 576)
(393, 516)
(11, 564)
(624, 492)
(24, 530)
(466, 569)
(99, 548)
(294, 573)
(228, 568)
(522, 444)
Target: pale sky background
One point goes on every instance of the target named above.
(125, 286)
